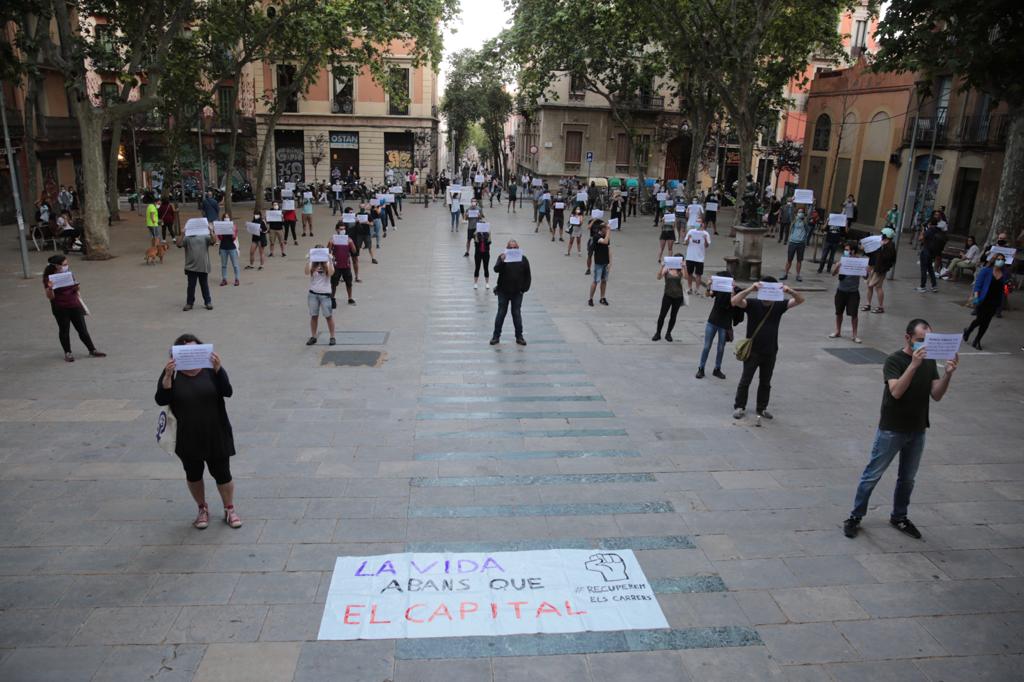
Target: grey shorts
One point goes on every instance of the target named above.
(319, 304)
(795, 250)
(154, 232)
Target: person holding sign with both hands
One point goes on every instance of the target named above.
(66, 305)
(672, 273)
(194, 388)
(848, 290)
(514, 280)
(319, 269)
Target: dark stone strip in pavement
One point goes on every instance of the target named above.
(513, 384)
(438, 416)
(436, 399)
(570, 509)
(688, 585)
(543, 479)
(521, 454)
(503, 372)
(529, 433)
(553, 644)
(639, 542)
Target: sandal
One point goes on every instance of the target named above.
(865, 308)
(833, 335)
(878, 310)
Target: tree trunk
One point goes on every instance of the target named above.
(699, 134)
(113, 199)
(31, 161)
(232, 145)
(1010, 201)
(264, 152)
(97, 233)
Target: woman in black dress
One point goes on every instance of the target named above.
(203, 436)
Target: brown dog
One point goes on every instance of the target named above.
(155, 252)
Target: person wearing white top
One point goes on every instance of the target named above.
(697, 241)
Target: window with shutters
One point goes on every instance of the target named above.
(573, 147)
(399, 105)
(285, 78)
(622, 152)
(822, 133)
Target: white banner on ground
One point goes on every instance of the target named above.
(803, 196)
(197, 227)
(192, 356)
(858, 267)
(399, 596)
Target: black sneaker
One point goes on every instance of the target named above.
(312, 340)
(700, 372)
(668, 337)
(905, 526)
(766, 414)
(334, 303)
(851, 527)
(656, 337)
(494, 341)
(591, 303)
(521, 341)
(718, 373)
(587, 272)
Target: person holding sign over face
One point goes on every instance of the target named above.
(203, 436)
(514, 280)
(288, 215)
(848, 290)
(320, 270)
(342, 250)
(761, 346)
(197, 238)
(672, 298)
(259, 241)
(228, 250)
(911, 382)
(988, 296)
(66, 305)
(575, 231)
(668, 235)
(473, 215)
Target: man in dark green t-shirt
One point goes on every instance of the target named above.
(911, 381)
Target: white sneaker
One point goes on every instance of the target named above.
(487, 286)
(920, 289)
(475, 285)
(739, 413)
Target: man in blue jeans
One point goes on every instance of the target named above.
(911, 381)
(513, 281)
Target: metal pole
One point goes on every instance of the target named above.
(906, 184)
(22, 241)
(138, 178)
(202, 171)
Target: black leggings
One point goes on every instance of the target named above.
(982, 320)
(666, 305)
(479, 258)
(71, 316)
(167, 228)
(220, 469)
(289, 225)
(544, 217)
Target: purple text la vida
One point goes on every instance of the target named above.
(446, 567)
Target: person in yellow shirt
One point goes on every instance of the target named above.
(152, 221)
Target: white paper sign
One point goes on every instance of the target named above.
(771, 291)
(287, 194)
(669, 218)
(289, 185)
(223, 227)
(574, 220)
(254, 229)
(837, 219)
(389, 198)
(288, 205)
(597, 213)
(197, 227)
(335, 188)
(613, 223)
(872, 243)
(454, 189)
(479, 178)
(513, 255)
(472, 213)
(192, 356)
(581, 197)
(537, 182)
(858, 267)
(711, 206)
(674, 262)
(362, 217)
(662, 196)
(721, 284)
(340, 239)
(483, 227)
(348, 218)
(559, 205)
(319, 255)
(274, 216)
(803, 196)
(307, 195)
(1007, 251)
(546, 196)
(680, 208)
(397, 189)
(942, 346)
(399, 596)
(62, 279)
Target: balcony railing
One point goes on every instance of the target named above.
(985, 132)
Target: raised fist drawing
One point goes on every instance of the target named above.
(611, 567)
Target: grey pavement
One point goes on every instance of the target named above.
(592, 436)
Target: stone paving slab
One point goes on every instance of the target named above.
(447, 438)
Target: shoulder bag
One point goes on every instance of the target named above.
(743, 347)
(167, 430)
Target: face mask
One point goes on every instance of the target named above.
(256, 216)
(1001, 242)
(64, 268)
(1000, 262)
(917, 345)
(846, 253)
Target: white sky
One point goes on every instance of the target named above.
(480, 20)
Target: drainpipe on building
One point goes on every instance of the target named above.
(22, 241)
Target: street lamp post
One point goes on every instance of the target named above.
(910, 169)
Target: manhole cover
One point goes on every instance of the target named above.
(858, 356)
(353, 358)
(361, 338)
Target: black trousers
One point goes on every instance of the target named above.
(828, 255)
(559, 222)
(289, 225)
(982, 319)
(481, 259)
(71, 316)
(766, 364)
(204, 286)
(666, 305)
(517, 318)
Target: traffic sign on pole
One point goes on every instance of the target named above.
(590, 157)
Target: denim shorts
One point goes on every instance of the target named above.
(600, 272)
(319, 304)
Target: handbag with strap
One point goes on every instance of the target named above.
(744, 346)
(167, 430)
